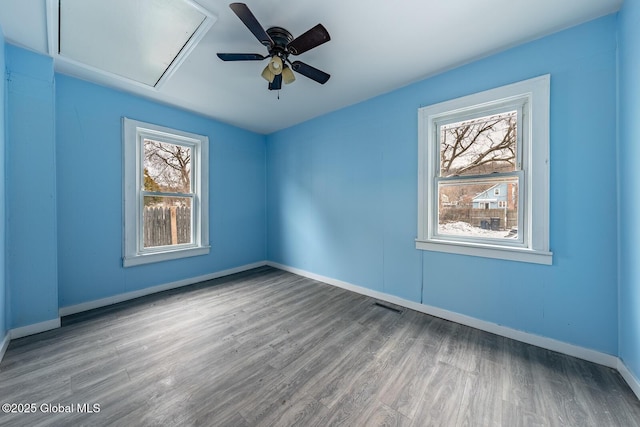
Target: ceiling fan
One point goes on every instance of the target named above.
(280, 44)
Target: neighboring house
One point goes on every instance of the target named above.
(446, 202)
(496, 197)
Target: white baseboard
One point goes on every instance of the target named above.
(4, 344)
(35, 328)
(633, 382)
(537, 340)
(90, 305)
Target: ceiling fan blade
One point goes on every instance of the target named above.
(307, 41)
(247, 18)
(241, 56)
(311, 72)
(276, 84)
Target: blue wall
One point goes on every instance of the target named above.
(3, 288)
(342, 196)
(89, 177)
(629, 330)
(30, 189)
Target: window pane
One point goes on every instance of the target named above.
(476, 210)
(166, 221)
(479, 146)
(167, 167)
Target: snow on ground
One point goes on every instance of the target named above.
(459, 228)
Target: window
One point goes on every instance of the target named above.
(487, 155)
(166, 208)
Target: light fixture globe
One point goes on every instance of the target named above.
(268, 75)
(275, 65)
(287, 75)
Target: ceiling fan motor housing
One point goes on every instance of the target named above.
(281, 38)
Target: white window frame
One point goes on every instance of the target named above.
(533, 96)
(134, 134)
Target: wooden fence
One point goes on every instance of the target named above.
(501, 219)
(166, 226)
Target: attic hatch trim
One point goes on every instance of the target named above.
(67, 65)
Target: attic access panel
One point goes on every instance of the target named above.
(143, 40)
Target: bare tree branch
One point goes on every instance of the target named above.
(169, 164)
(471, 146)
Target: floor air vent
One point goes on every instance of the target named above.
(387, 307)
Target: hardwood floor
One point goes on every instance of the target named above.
(270, 348)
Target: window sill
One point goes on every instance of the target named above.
(168, 255)
(487, 251)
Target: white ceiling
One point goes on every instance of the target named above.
(376, 46)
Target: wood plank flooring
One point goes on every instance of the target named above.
(269, 348)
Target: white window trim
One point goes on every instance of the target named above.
(133, 253)
(536, 180)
